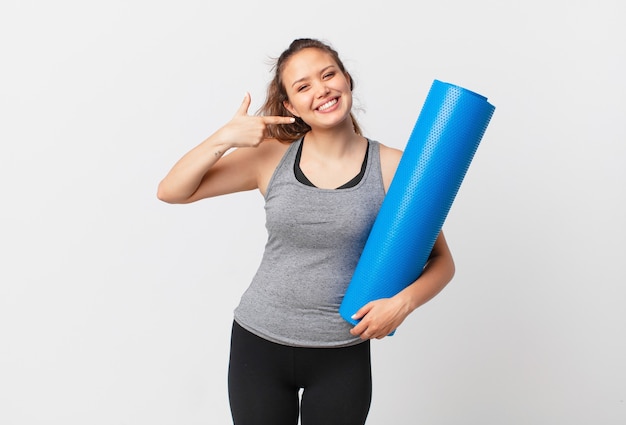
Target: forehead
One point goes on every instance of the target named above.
(307, 61)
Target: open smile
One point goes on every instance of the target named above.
(327, 105)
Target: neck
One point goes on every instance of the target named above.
(333, 142)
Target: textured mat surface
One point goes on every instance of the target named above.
(436, 158)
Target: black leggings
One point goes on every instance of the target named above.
(264, 379)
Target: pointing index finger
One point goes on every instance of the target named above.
(278, 120)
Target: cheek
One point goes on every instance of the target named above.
(347, 95)
(344, 87)
(300, 102)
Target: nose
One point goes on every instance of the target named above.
(322, 89)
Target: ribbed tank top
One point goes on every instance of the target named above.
(315, 239)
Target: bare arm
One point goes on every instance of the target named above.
(205, 171)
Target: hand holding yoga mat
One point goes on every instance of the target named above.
(436, 158)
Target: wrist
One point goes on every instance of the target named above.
(216, 147)
(406, 303)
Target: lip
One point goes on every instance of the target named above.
(332, 107)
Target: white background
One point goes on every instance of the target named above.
(115, 308)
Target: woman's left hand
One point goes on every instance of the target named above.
(379, 318)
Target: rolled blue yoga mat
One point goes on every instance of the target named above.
(434, 163)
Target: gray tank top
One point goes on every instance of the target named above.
(315, 239)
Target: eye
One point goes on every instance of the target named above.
(302, 87)
(329, 75)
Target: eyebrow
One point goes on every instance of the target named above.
(306, 78)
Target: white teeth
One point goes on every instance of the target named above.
(327, 105)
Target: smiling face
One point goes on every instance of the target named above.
(317, 90)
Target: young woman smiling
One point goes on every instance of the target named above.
(323, 183)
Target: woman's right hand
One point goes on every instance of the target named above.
(244, 130)
(200, 173)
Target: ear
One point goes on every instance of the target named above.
(290, 108)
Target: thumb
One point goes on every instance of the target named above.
(362, 312)
(243, 108)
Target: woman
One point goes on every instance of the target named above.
(323, 183)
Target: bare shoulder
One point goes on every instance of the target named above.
(273, 147)
(389, 160)
(270, 152)
(389, 156)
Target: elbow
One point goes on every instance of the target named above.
(448, 264)
(443, 263)
(451, 269)
(166, 196)
(444, 266)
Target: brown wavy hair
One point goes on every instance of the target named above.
(276, 93)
